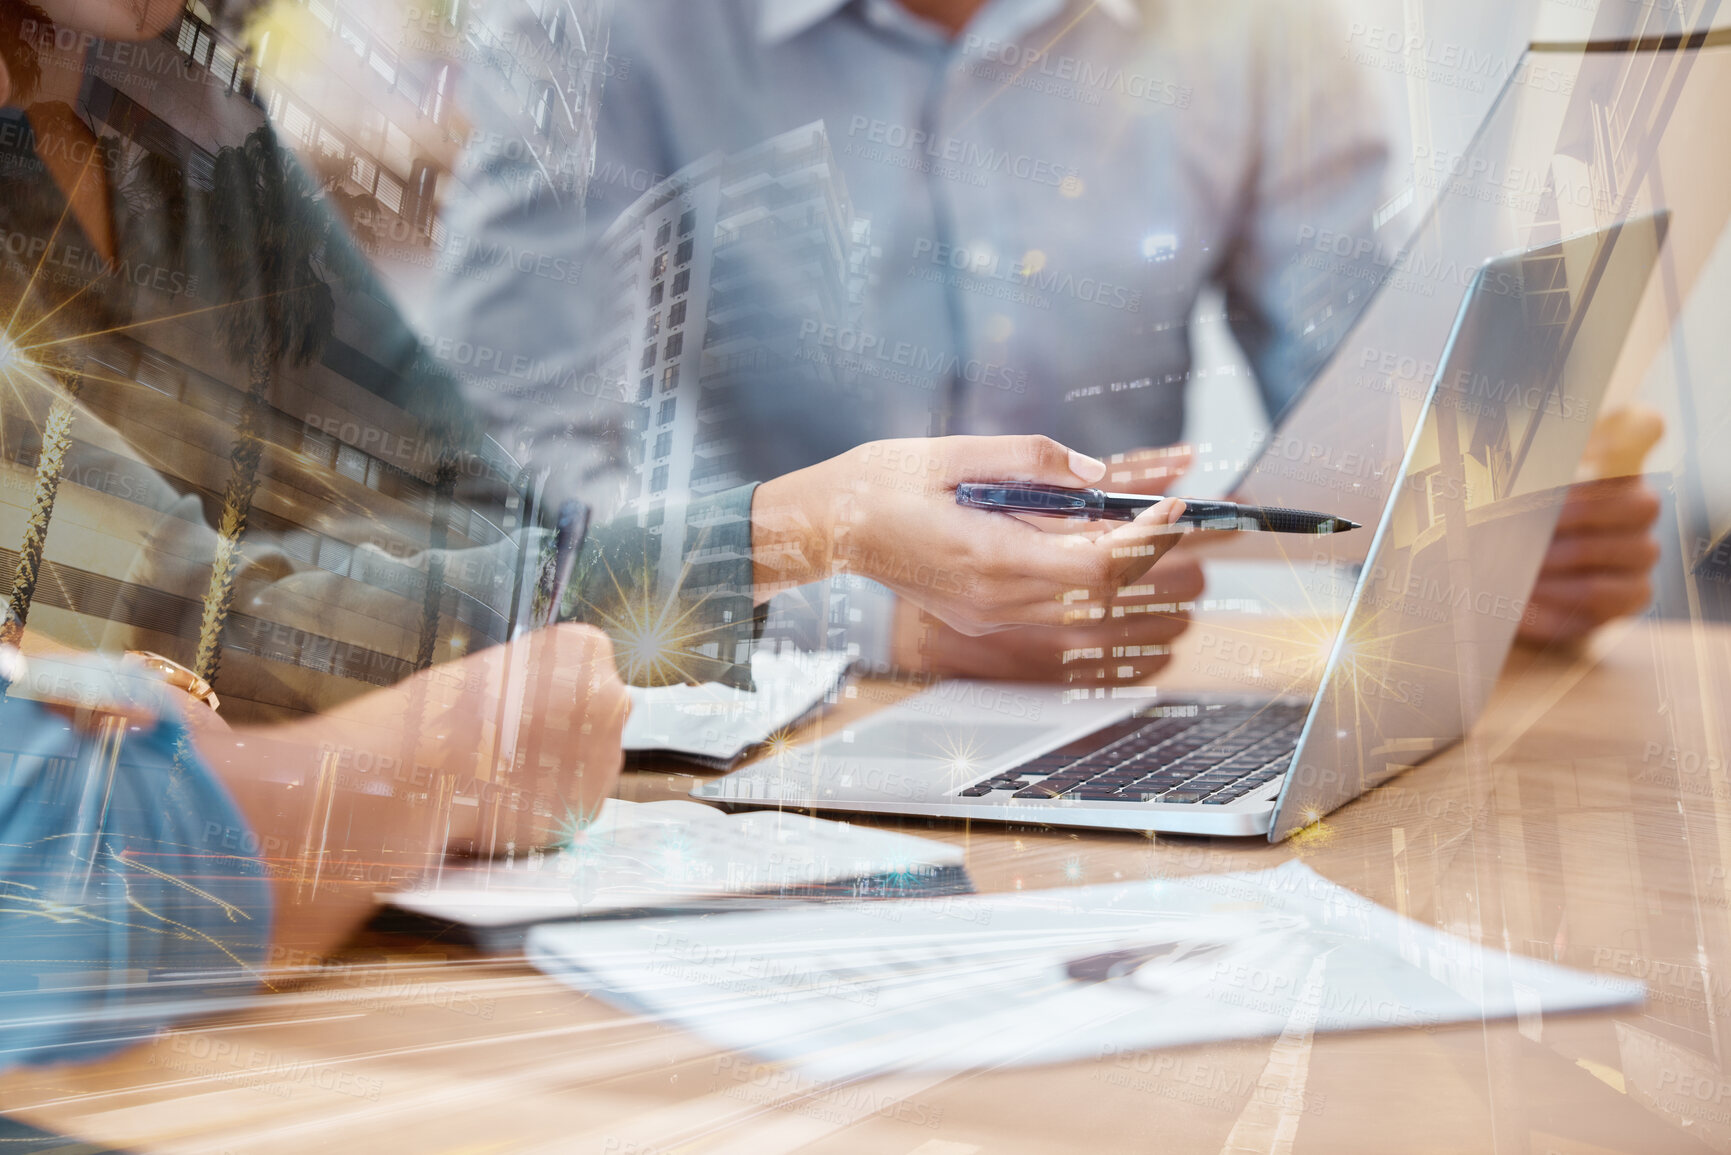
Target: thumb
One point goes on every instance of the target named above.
(1620, 441)
(1031, 458)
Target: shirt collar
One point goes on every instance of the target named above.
(780, 20)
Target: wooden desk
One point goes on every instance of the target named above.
(1588, 820)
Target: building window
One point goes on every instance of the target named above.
(664, 233)
(663, 444)
(665, 417)
(683, 255)
(648, 357)
(646, 387)
(681, 281)
(440, 91)
(351, 463)
(669, 378)
(655, 294)
(658, 479)
(676, 315)
(390, 192)
(675, 344)
(652, 326)
(659, 268)
(543, 111)
(687, 222)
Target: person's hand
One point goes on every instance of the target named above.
(1602, 553)
(1131, 644)
(1599, 564)
(887, 511)
(510, 744)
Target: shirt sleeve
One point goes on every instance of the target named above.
(132, 893)
(1321, 160)
(690, 618)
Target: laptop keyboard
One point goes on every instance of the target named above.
(1212, 757)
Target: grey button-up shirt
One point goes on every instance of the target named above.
(1048, 193)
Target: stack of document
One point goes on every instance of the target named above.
(715, 724)
(981, 981)
(643, 857)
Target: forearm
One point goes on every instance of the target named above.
(792, 532)
(514, 744)
(315, 827)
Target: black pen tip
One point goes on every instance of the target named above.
(1341, 525)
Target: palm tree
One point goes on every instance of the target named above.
(157, 182)
(273, 256)
(68, 372)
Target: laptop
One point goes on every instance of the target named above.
(1497, 437)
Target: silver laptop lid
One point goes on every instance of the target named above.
(1499, 434)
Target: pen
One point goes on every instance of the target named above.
(1096, 505)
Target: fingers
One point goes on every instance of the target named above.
(1568, 607)
(1114, 652)
(1598, 564)
(1611, 505)
(1621, 440)
(1607, 552)
(1012, 575)
(1134, 547)
(1015, 459)
(1178, 579)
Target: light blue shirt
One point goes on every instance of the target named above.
(123, 906)
(1048, 194)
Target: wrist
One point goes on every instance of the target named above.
(792, 531)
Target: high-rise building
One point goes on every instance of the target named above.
(389, 101)
(714, 272)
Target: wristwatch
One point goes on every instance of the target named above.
(178, 676)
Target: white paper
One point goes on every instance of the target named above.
(718, 722)
(652, 855)
(979, 981)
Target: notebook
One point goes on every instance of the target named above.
(641, 858)
(716, 724)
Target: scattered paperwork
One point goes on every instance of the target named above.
(676, 855)
(980, 981)
(715, 723)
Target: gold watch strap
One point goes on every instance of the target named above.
(177, 676)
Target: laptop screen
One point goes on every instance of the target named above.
(1500, 431)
